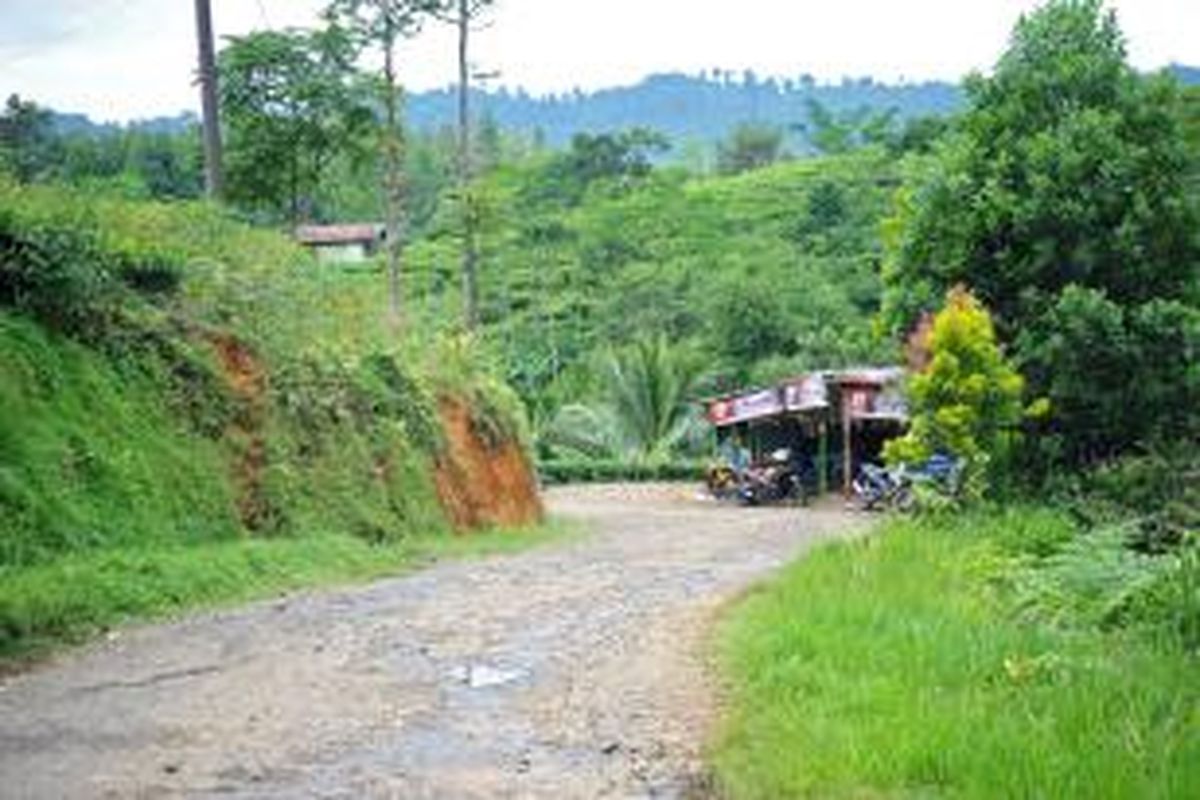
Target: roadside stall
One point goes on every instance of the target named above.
(828, 422)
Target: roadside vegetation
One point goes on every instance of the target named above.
(1037, 635)
(1002, 653)
(615, 292)
(187, 415)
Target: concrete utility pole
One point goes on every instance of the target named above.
(208, 99)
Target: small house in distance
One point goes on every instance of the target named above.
(342, 244)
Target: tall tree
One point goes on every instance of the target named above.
(751, 145)
(383, 24)
(967, 401)
(461, 14)
(623, 157)
(1059, 195)
(292, 103)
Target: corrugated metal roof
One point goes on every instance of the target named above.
(352, 233)
(886, 400)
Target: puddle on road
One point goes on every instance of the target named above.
(484, 676)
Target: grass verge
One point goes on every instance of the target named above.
(894, 666)
(75, 597)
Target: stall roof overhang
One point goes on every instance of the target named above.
(810, 393)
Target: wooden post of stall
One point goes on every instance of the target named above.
(822, 456)
(846, 450)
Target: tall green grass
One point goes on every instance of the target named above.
(92, 456)
(895, 666)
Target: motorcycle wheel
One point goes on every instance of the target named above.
(797, 492)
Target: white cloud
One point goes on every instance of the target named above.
(123, 58)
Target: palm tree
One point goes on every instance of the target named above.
(644, 413)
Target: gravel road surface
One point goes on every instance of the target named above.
(573, 671)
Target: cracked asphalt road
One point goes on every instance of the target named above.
(572, 671)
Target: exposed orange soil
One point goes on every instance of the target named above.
(481, 484)
(248, 382)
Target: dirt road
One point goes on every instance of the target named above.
(572, 671)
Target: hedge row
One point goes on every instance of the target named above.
(600, 471)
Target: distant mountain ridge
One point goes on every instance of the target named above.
(687, 108)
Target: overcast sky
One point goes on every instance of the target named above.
(116, 59)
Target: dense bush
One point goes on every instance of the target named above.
(1156, 495)
(60, 263)
(1095, 579)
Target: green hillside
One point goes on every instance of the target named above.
(174, 382)
(767, 272)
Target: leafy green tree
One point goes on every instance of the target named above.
(26, 139)
(1067, 170)
(751, 322)
(967, 403)
(750, 146)
(618, 158)
(292, 103)
(170, 165)
(920, 134)
(1116, 376)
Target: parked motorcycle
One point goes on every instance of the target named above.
(773, 481)
(941, 472)
(722, 481)
(877, 487)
